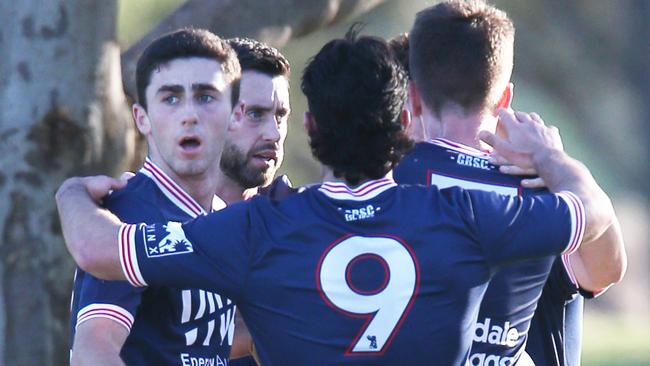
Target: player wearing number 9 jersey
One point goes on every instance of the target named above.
(358, 270)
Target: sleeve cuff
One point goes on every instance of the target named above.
(577, 213)
(128, 255)
(108, 311)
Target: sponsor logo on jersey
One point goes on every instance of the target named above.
(481, 359)
(363, 213)
(473, 161)
(166, 239)
(495, 334)
(187, 360)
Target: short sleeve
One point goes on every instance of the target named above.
(115, 300)
(210, 252)
(512, 228)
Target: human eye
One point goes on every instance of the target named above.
(171, 99)
(255, 114)
(205, 98)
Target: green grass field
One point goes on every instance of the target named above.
(610, 341)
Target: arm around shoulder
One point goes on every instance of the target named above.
(90, 232)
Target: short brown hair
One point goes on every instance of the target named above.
(461, 53)
(186, 43)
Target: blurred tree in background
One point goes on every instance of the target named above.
(583, 65)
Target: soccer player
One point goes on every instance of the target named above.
(461, 62)
(185, 94)
(356, 270)
(254, 147)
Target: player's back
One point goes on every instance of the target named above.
(383, 273)
(511, 298)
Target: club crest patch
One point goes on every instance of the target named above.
(166, 239)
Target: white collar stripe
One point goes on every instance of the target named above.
(173, 191)
(457, 147)
(366, 191)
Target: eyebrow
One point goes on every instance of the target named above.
(170, 88)
(205, 87)
(175, 88)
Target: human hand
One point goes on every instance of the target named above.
(527, 138)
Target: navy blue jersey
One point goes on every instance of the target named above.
(379, 274)
(556, 329)
(504, 320)
(167, 326)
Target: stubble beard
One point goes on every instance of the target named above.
(234, 164)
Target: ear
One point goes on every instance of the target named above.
(414, 98)
(237, 116)
(309, 122)
(406, 119)
(505, 101)
(141, 119)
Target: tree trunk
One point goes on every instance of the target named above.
(63, 114)
(274, 22)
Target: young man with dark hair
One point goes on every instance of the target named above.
(356, 270)
(185, 99)
(254, 147)
(461, 58)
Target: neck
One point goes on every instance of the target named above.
(230, 191)
(200, 187)
(459, 126)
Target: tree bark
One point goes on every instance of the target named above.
(274, 22)
(63, 114)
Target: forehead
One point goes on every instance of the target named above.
(259, 88)
(188, 71)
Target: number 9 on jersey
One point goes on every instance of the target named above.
(387, 303)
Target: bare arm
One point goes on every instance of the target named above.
(243, 342)
(530, 144)
(98, 342)
(602, 261)
(90, 232)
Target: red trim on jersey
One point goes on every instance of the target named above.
(173, 188)
(338, 190)
(125, 250)
(109, 311)
(577, 213)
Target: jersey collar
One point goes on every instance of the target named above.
(175, 193)
(368, 190)
(448, 144)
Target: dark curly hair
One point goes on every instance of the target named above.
(185, 43)
(355, 90)
(400, 47)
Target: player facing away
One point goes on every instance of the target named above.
(461, 62)
(184, 84)
(357, 270)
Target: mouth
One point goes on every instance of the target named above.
(190, 143)
(267, 155)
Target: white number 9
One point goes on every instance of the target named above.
(389, 303)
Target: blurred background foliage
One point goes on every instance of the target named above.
(585, 67)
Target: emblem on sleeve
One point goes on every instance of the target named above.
(166, 239)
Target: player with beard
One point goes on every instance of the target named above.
(356, 270)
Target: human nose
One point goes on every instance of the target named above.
(190, 115)
(271, 131)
